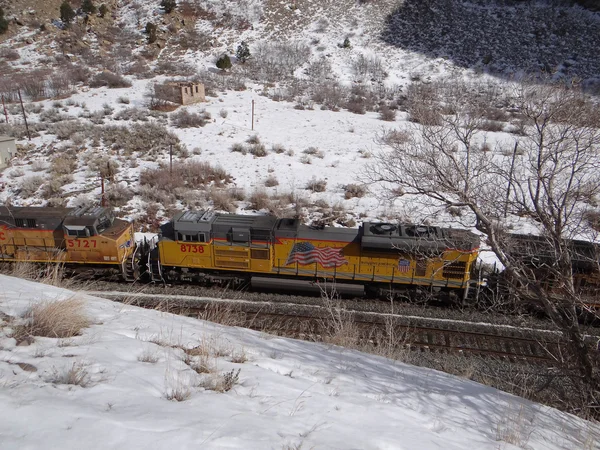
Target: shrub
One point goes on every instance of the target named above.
(354, 190)
(258, 150)
(66, 12)
(151, 31)
(104, 166)
(76, 374)
(192, 39)
(271, 181)
(53, 188)
(223, 113)
(239, 148)
(168, 5)
(88, 7)
(223, 200)
(16, 173)
(223, 63)
(59, 84)
(63, 165)
(223, 382)
(110, 79)
(8, 54)
(118, 195)
(356, 105)
(3, 22)
(103, 10)
(191, 175)
(259, 199)
(254, 139)
(314, 151)
(243, 52)
(491, 125)
(148, 356)
(30, 185)
(185, 119)
(278, 148)
(123, 100)
(387, 114)
(316, 185)
(58, 319)
(38, 166)
(34, 84)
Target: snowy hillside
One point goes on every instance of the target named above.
(326, 87)
(110, 387)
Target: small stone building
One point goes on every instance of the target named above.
(8, 149)
(180, 92)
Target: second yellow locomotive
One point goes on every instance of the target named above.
(86, 240)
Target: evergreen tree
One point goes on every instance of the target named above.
(168, 5)
(243, 52)
(3, 22)
(66, 12)
(224, 62)
(88, 7)
(103, 10)
(151, 31)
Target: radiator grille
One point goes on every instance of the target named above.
(455, 270)
(256, 253)
(232, 264)
(231, 253)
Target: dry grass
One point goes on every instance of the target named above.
(178, 387)
(58, 319)
(148, 356)
(76, 374)
(316, 185)
(515, 428)
(223, 382)
(239, 356)
(271, 181)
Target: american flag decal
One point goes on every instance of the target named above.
(305, 253)
(403, 265)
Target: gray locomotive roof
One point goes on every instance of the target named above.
(191, 222)
(34, 212)
(86, 216)
(327, 233)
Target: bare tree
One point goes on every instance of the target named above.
(552, 178)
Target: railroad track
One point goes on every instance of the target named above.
(311, 321)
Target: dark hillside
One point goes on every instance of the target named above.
(501, 37)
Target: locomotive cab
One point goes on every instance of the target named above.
(87, 222)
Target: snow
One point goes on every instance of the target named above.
(291, 393)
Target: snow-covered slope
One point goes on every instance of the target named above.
(290, 394)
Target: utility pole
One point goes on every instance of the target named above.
(252, 115)
(103, 199)
(24, 115)
(171, 160)
(5, 111)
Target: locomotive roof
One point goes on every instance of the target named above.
(86, 216)
(34, 212)
(203, 221)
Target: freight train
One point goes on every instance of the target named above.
(263, 251)
(205, 247)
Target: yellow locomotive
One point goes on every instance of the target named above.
(264, 250)
(87, 240)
